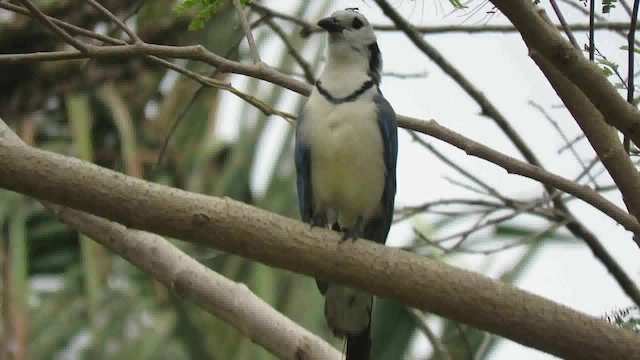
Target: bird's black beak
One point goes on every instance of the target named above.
(331, 24)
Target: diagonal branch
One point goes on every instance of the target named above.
(257, 234)
(247, 31)
(539, 35)
(603, 139)
(488, 109)
(304, 64)
(563, 23)
(132, 35)
(514, 166)
(230, 301)
(53, 27)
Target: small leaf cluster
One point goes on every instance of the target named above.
(607, 5)
(204, 10)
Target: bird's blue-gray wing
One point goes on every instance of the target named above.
(378, 228)
(303, 170)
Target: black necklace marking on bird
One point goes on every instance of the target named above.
(349, 98)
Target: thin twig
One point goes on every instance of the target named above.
(563, 23)
(247, 31)
(620, 30)
(132, 35)
(306, 26)
(307, 69)
(455, 166)
(62, 24)
(592, 29)
(488, 109)
(631, 63)
(564, 138)
(572, 142)
(626, 7)
(438, 347)
(524, 241)
(412, 75)
(53, 27)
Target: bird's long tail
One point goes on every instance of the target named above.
(359, 346)
(348, 314)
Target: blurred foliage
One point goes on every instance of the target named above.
(65, 297)
(204, 10)
(627, 318)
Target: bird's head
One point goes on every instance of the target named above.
(352, 41)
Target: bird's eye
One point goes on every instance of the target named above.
(357, 23)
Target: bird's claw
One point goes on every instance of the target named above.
(349, 234)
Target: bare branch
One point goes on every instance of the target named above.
(438, 347)
(515, 166)
(563, 23)
(488, 109)
(490, 190)
(565, 139)
(631, 63)
(304, 64)
(53, 27)
(132, 35)
(247, 31)
(63, 25)
(306, 26)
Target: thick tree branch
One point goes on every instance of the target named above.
(256, 234)
(230, 301)
(538, 34)
(603, 139)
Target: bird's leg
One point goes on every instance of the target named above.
(354, 232)
(318, 220)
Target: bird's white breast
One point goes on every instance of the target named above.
(347, 167)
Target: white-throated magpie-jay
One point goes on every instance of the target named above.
(345, 154)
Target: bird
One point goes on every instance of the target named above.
(346, 149)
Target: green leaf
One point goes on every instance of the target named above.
(607, 5)
(457, 4)
(205, 9)
(626, 48)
